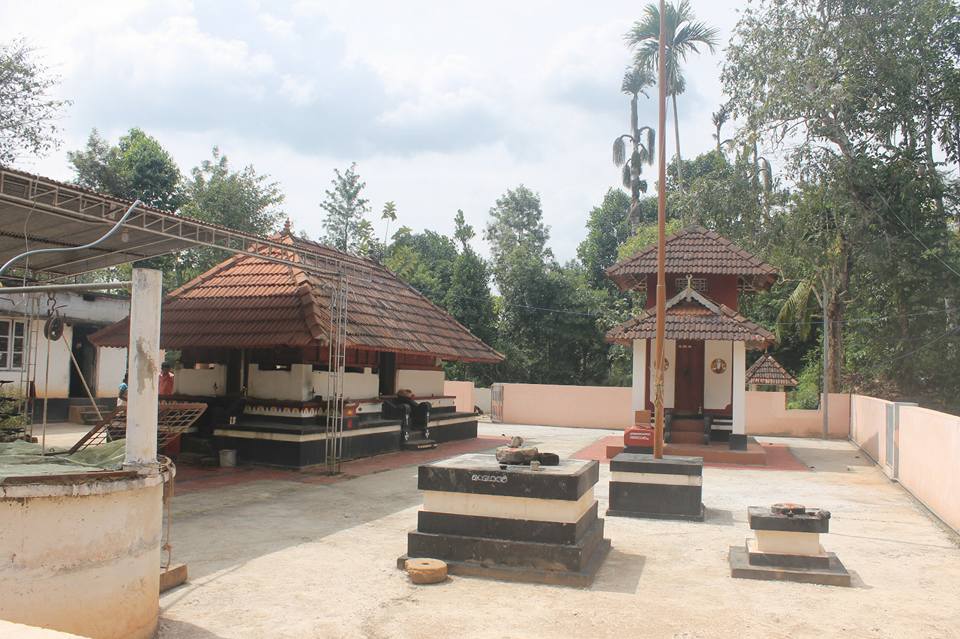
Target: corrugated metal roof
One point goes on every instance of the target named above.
(769, 371)
(251, 302)
(695, 251)
(690, 315)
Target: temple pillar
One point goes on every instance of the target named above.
(639, 394)
(738, 436)
(143, 367)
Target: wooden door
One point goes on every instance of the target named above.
(688, 390)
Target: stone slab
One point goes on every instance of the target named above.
(667, 465)
(758, 558)
(761, 518)
(506, 553)
(502, 528)
(656, 501)
(834, 575)
(172, 576)
(481, 474)
(788, 543)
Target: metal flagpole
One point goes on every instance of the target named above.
(661, 239)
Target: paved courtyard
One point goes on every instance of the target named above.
(276, 554)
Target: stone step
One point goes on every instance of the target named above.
(687, 425)
(686, 437)
(419, 444)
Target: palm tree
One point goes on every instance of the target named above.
(634, 82)
(390, 215)
(684, 35)
(720, 117)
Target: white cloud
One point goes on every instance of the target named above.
(444, 105)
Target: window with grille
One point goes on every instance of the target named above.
(12, 333)
(699, 284)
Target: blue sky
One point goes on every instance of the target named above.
(443, 105)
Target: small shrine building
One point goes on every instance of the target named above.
(706, 337)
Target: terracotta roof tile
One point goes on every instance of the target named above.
(249, 302)
(692, 316)
(769, 371)
(697, 251)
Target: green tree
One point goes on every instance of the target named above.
(864, 97)
(516, 220)
(685, 35)
(423, 260)
(346, 211)
(242, 200)
(28, 112)
(634, 82)
(137, 167)
(607, 229)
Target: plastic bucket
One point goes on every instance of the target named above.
(228, 458)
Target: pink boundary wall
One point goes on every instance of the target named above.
(767, 414)
(926, 455)
(929, 460)
(464, 392)
(576, 406)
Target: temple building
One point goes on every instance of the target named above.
(706, 337)
(252, 336)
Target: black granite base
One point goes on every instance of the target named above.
(737, 442)
(453, 432)
(835, 574)
(778, 560)
(580, 579)
(656, 500)
(533, 562)
(547, 532)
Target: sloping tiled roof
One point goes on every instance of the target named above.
(251, 302)
(691, 315)
(768, 371)
(694, 250)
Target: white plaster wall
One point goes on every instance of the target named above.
(717, 386)
(102, 310)
(481, 396)
(111, 365)
(422, 383)
(206, 382)
(58, 383)
(88, 564)
(670, 352)
(365, 385)
(739, 400)
(295, 384)
(639, 394)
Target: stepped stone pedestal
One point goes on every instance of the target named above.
(787, 547)
(510, 522)
(667, 488)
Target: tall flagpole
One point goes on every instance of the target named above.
(661, 239)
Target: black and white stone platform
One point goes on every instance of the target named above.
(516, 523)
(787, 548)
(667, 488)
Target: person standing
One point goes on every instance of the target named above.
(166, 380)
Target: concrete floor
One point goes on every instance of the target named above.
(282, 559)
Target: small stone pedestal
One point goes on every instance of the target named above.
(787, 547)
(515, 523)
(667, 488)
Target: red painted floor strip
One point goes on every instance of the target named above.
(194, 478)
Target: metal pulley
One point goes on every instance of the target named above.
(53, 327)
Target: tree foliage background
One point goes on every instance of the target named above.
(836, 158)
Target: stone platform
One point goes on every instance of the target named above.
(511, 523)
(667, 488)
(787, 548)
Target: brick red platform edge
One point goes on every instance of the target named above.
(779, 456)
(193, 478)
